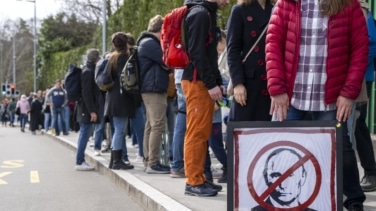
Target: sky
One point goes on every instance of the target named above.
(14, 9)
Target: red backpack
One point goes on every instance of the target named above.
(175, 55)
(174, 52)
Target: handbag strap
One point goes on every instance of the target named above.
(254, 45)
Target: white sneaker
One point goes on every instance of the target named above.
(97, 152)
(84, 167)
(139, 159)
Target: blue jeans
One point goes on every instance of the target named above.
(138, 127)
(83, 138)
(171, 116)
(67, 117)
(351, 186)
(59, 112)
(23, 118)
(118, 137)
(179, 132)
(12, 117)
(99, 134)
(216, 144)
(47, 121)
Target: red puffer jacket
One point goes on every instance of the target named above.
(347, 50)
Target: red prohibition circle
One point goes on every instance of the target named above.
(307, 156)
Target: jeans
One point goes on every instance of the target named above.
(67, 117)
(138, 127)
(59, 112)
(364, 142)
(179, 131)
(47, 121)
(12, 116)
(216, 144)
(83, 138)
(351, 186)
(171, 116)
(23, 118)
(118, 137)
(99, 134)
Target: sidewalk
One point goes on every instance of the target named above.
(152, 191)
(160, 191)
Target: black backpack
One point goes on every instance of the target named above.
(103, 77)
(130, 77)
(72, 83)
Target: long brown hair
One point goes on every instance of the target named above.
(332, 7)
(119, 43)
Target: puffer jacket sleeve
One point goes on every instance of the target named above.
(358, 53)
(274, 50)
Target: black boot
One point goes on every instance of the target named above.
(111, 160)
(118, 162)
(223, 178)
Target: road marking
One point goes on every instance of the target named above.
(11, 164)
(34, 177)
(2, 182)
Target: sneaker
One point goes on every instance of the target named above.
(213, 186)
(138, 159)
(135, 145)
(355, 207)
(368, 183)
(97, 152)
(199, 190)
(157, 169)
(105, 150)
(84, 167)
(178, 174)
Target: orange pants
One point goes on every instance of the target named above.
(200, 109)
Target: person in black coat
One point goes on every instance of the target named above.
(35, 114)
(119, 105)
(247, 20)
(87, 108)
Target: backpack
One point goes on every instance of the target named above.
(130, 73)
(174, 52)
(102, 75)
(72, 83)
(175, 55)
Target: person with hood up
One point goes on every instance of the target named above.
(202, 86)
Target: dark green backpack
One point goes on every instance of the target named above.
(130, 76)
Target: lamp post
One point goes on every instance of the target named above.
(35, 42)
(104, 26)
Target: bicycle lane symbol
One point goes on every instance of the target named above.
(308, 156)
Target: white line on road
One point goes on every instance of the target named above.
(34, 177)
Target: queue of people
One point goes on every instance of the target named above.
(268, 68)
(276, 70)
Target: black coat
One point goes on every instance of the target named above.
(36, 117)
(90, 96)
(201, 32)
(119, 103)
(245, 25)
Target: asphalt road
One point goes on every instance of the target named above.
(37, 173)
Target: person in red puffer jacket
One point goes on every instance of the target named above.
(316, 57)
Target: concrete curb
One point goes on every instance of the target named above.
(145, 195)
